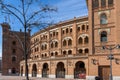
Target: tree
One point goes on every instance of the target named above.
(27, 15)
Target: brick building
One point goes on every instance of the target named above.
(73, 48)
(12, 51)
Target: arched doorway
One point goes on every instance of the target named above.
(80, 71)
(13, 71)
(60, 70)
(45, 70)
(21, 70)
(34, 70)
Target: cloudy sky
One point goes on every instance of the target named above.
(67, 9)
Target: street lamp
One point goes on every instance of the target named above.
(110, 57)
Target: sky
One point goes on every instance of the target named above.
(66, 9)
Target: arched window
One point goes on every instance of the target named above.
(14, 43)
(80, 40)
(42, 47)
(110, 2)
(69, 42)
(42, 55)
(64, 43)
(87, 28)
(86, 40)
(37, 49)
(45, 55)
(78, 28)
(103, 36)
(13, 51)
(86, 51)
(45, 36)
(103, 3)
(80, 51)
(64, 52)
(56, 44)
(83, 27)
(56, 53)
(13, 71)
(53, 33)
(13, 58)
(95, 3)
(52, 45)
(70, 30)
(67, 30)
(63, 32)
(52, 54)
(45, 46)
(57, 33)
(37, 56)
(69, 52)
(103, 19)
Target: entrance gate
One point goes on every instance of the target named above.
(60, 71)
(34, 70)
(104, 72)
(80, 71)
(45, 70)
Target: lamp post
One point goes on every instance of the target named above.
(111, 57)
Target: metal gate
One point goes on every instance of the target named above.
(60, 71)
(60, 74)
(44, 73)
(34, 73)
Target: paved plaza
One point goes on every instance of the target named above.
(31, 78)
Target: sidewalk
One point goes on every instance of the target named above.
(30, 78)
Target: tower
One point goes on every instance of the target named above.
(5, 50)
(12, 49)
(104, 22)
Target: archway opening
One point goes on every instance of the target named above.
(60, 70)
(34, 70)
(13, 71)
(21, 70)
(45, 70)
(80, 71)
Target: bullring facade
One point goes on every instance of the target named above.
(73, 48)
(61, 50)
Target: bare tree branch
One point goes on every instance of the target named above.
(7, 10)
(33, 15)
(14, 8)
(28, 6)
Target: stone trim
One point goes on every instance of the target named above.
(69, 76)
